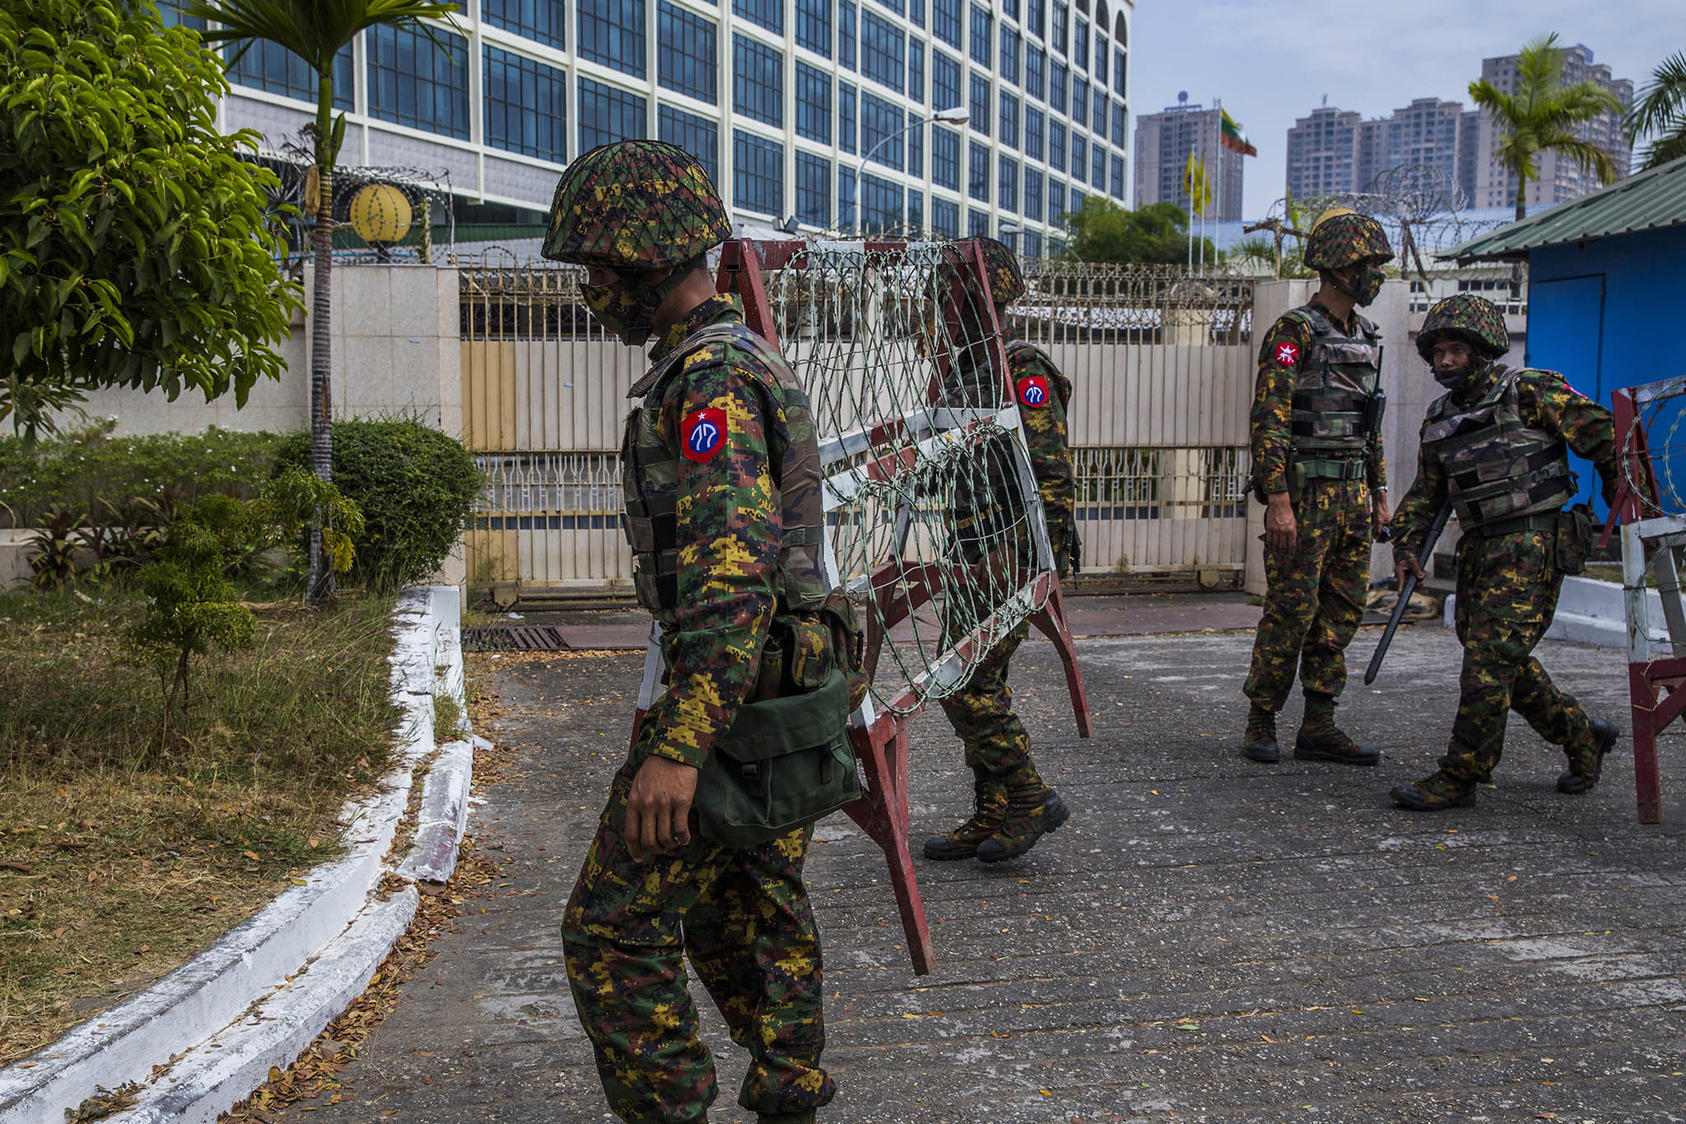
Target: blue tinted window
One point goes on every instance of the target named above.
(415, 83)
(757, 173)
(612, 32)
(1079, 157)
(1101, 56)
(1119, 81)
(916, 151)
(916, 12)
(1080, 46)
(1056, 146)
(608, 115)
(1080, 100)
(945, 21)
(1099, 108)
(894, 5)
(883, 50)
(813, 189)
(1009, 67)
(1058, 82)
(945, 81)
(1074, 199)
(1118, 177)
(1033, 133)
(1056, 201)
(1120, 123)
(1009, 124)
(1097, 166)
(881, 136)
(813, 25)
(270, 66)
(1062, 22)
(170, 15)
(768, 13)
(757, 80)
(1032, 244)
(845, 117)
(915, 211)
(1032, 194)
(813, 103)
(980, 104)
(1007, 196)
(697, 135)
(1035, 62)
(543, 20)
(526, 105)
(977, 224)
(1036, 18)
(881, 204)
(945, 158)
(689, 58)
(983, 29)
(916, 70)
(846, 33)
(977, 171)
(945, 218)
(846, 187)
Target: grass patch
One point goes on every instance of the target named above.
(126, 849)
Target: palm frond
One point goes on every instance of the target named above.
(1662, 103)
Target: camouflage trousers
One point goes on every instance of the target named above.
(1314, 597)
(981, 712)
(742, 915)
(1507, 593)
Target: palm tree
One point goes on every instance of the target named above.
(1661, 109)
(1542, 115)
(316, 31)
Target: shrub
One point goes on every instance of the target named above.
(89, 470)
(414, 485)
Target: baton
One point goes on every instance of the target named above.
(1405, 592)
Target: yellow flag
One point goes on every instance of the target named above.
(1195, 185)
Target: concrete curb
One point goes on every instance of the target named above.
(1589, 612)
(206, 1035)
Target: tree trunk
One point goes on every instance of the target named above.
(320, 591)
(1521, 196)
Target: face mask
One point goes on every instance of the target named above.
(1367, 285)
(1451, 380)
(626, 307)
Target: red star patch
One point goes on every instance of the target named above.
(1287, 354)
(702, 433)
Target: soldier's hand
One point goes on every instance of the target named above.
(1281, 532)
(1404, 567)
(658, 808)
(1379, 517)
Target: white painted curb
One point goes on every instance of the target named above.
(205, 1036)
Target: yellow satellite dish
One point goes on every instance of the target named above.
(380, 213)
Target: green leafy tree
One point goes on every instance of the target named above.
(1661, 110)
(1101, 230)
(134, 246)
(1543, 115)
(316, 31)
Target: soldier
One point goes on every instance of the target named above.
(1012, 806)
(1317, 465)
(1495, 447)
(724, 515)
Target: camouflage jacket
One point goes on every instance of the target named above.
(1286, 346)
(1044, 395)
(1546, 402)
(728, 526)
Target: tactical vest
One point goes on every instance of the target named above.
(651, 480)
(1496, 467)
(1338, 379)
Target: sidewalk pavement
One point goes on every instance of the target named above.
(1207, 939)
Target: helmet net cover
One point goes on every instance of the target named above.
(1001, 266)
(637, 204)
(1346, 238)
(1465, 316)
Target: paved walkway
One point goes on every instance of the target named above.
(1207, 939)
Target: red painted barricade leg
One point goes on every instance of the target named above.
(882, 814)
(1050, 620)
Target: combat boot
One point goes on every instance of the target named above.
(1434, 793)
(802, 1116)
(989, 803)
(1033, 810)
(1259, 742)
(1320, 739)
(1586, 765)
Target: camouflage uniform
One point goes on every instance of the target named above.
(1509, 572)
(1316, 436)
(708, 515)
(997, 748)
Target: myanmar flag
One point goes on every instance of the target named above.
(1231, 136)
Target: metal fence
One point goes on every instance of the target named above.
(1161, 366)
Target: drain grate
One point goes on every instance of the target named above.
(514, 638)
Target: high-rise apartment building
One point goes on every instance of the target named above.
(814, 109)
(1336, 150)
(1561, 179)
(1163, 143)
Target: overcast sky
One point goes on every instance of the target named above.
(1271, 61)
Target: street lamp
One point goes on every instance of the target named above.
(953, 115)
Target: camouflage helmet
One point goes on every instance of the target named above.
(1001, 266)
(1465, 316)
(636, 204)
(1342, 238)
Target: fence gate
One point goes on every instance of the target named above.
(1162, 374)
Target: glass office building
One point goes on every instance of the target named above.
(817, 110)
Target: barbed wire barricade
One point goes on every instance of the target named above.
(381, 214)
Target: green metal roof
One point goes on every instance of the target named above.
(1654, 199)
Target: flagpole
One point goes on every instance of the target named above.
(1188, 187)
